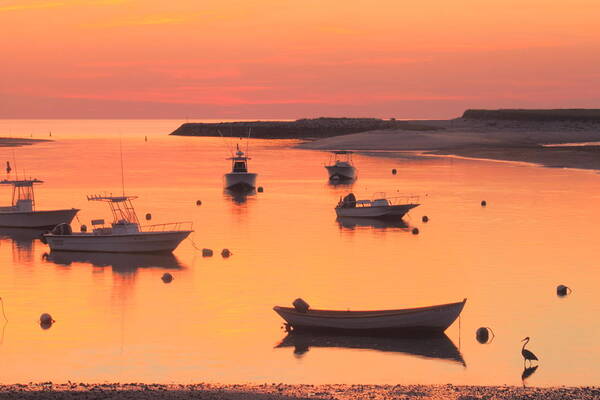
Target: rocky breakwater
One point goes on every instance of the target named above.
(299, 129)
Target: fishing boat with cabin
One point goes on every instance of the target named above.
(23, 213)
(379, 207)
(123, 235)
(430, 319)
(341, 166)
(239, 178)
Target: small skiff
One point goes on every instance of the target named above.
(341, 167)
(432, 319)
(379, 207)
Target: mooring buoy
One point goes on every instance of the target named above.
(167, 277)
(198, 202)
(483, 203)
(148, 217)
(83, 228)
(226, 253)
(483, 335)
(207, 253)
(415, 231)
(260, 189)
(46, 321)
(425, 218)
(394, 172)
(562, 290)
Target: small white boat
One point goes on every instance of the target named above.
(379, 207)
(22, 212)
(341, 166)
(430, 319)
(239, 177)
(124, 235)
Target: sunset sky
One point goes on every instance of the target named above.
(290, 59)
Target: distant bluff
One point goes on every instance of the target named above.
(299, 129)
(563, 114)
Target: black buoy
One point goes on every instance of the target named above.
(562, 290)
(483, 335)
(167, 277)
(198, 202)
(415, 231)
(83, 228)
(226, 253)
(425, 218)
(260, 189)
(483, 203)
(148, 217)
(207, 253)
(394, 172)
(46, 321)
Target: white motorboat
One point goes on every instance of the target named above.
(379, 207)
(23, 214)
(124, 235)
(341, 166)
(239, 177)
(432, 319)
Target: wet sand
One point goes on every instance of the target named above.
(288, 392)
(498, 140)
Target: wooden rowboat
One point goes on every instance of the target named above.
(432, 319)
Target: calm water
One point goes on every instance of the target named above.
(117, 321)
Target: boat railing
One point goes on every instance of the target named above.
(169, 226)
(408, 199)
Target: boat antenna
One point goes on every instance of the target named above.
(225, 142)
(122, 173)
(248, 141)
(15, 165)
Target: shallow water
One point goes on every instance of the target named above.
(117, 321)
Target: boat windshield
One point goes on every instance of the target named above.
(240, 166)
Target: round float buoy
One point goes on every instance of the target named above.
(148, 217)
(425, 218)
(394, 172)
(483, 203)
(46, 321)
(167, 277)
(198, 202)
(207, 253)
(483, 335)
(415, 231)
(260, 189)
(225, 253)
(562, 290)
(83, 228)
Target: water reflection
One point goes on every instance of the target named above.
(120, 263)
(352, 223)
(438, 346)
(527, 372)
(22, 241)
(239, 196)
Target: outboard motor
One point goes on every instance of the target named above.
(349, 201)
(62, 229)
(300, 305)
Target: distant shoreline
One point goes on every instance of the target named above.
(18, 142)
(274, 391)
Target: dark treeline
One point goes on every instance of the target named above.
(565, 114)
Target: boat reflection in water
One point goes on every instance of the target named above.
(121, 263)
(239, 195)
(22, 241)
(437, 346)
(353, 223)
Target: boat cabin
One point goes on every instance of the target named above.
(125, 220)
(23, 198)
(239, 163)
(341, 158)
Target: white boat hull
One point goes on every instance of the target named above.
(341, 172)
(396, 211)
(423, 319)
(142, 242)
(240, 180)
(36, 219)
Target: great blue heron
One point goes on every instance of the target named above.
(527, 355)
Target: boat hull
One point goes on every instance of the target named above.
(341, 172)
(36, 219)
(142, 242)
(433, 319)
(396, 211)
(240, 180)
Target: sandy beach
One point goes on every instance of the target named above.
(275, 391)
(498, 140)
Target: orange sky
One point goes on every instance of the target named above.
(289, 59)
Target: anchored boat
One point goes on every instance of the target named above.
(341, 166)
(22, 212)
(239, 177)
(124, 235)
(379, 207)
(432, 319)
